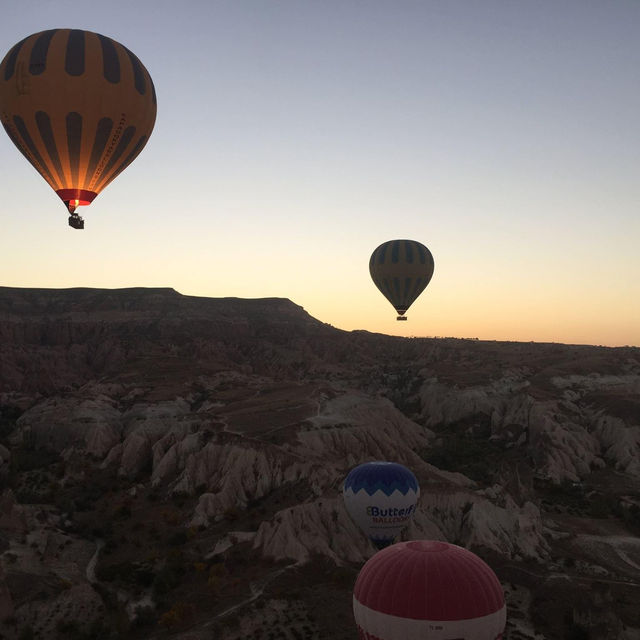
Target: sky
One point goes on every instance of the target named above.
(295, 136)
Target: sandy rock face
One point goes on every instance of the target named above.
(601, 406)
(566, 436)
(474, 521)
(322, 527)
(353, 428)
(43, 579)
(93, 424)
(78, 603)
(347, 430)
(442, 404)
(144, 425)
(512, 531)
(154, 420)
(235, 474)
(620, 443)
(171, 455)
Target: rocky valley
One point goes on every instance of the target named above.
(171, 467)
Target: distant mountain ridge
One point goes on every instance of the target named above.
(15, 301)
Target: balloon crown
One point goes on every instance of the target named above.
(381, 476)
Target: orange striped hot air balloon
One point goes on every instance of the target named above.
(401, 269)
(79, 106)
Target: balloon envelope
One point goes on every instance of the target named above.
(401, 269)
(381, 499)
(79, 106)
(428, 590)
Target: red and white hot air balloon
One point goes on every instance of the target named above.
(428, 590)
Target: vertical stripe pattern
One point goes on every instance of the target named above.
(99, 145)
(35, 157)
(10, 60)
(39, 53)
(74, 138)
(17, 141)
(401, 269)
(110, 60)
(138, 74)
(78, 105)
(46, 132)
(74, 59)
(126, 138)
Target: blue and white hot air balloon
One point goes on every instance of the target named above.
(381, 499)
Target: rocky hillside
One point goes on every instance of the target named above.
(171, 467)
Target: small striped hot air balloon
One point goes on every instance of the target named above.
(428, 590)
(401, 269)
(79, 106)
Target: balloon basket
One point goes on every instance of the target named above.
(75, 221)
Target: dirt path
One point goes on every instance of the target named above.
(91, 565)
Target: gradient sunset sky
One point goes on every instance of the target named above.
(293, 137)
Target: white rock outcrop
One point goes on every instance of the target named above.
(93, 424)
(620, 443)
(143, 426)
(321, 527)
(566, 437)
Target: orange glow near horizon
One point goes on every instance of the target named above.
(490, 304)
(330, 135)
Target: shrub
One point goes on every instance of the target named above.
(180, 613)
(177, 539)
(123, 512)
(577, 632)
(232, 513)
(26, 633)
(166, 579)
(144, 616)
(475, 457)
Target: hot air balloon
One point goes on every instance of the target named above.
(428, 590)
(79, 106)
(381, 499)
(401, 269)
